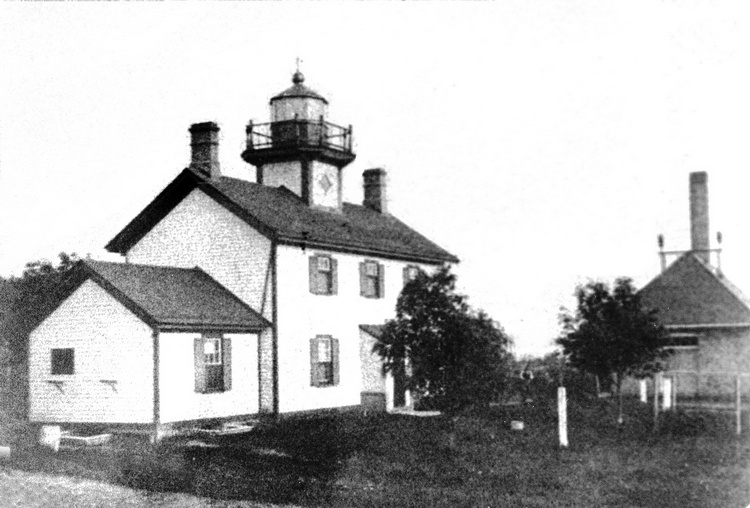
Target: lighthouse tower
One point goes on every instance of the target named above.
(299, 148)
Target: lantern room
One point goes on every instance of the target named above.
(299, 149)
(298, 102)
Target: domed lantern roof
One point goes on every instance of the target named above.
(298, 102)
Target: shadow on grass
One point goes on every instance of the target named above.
(288, 462)
(391, 460)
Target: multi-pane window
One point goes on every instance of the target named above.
(410, 273)
(371, 279)
(324, 361)
(62, 362)
(212, 364)
(323, 277)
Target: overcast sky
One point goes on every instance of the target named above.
(543, 143)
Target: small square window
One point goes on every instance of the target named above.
(63, 362)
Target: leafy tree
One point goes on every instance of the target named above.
(455, 357)
(612, 334)
(24, 302)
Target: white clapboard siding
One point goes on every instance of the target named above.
(302, 316)
(110, 344)
(178, 399)
(201, 232)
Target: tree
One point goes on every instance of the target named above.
(454, 356)
(612, 334)
(24, 302)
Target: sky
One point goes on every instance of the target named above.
(545, 143)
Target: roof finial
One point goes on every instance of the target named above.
(298, 78)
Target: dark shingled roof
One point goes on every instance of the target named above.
(283, 216)
(690, 293)
(173, 299)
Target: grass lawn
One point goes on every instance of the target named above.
(401, 461)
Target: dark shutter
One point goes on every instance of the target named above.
(381, 280)
(334, 276)
(226, 360)
(406, 275)
(362, 279)
(314, 381)
(200, 373)
(313, 274)
(335, 360)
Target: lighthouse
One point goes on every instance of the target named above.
(299, 148)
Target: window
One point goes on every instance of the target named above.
(324, 361)
(323, 276)
(213, 364)
(63, 362)
(410, 273)
(371, 279)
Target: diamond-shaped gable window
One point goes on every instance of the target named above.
(326, 183)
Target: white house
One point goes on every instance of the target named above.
(235, 297)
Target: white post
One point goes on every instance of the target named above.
(667, 391)
(657, 382)
(562, 416)
(389, 392)
(644, 391)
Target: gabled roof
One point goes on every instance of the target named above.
(690, 293)
(171, 299)
(282, 216)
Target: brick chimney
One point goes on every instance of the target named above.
(699, 240)
(204, 144)
(375, 196)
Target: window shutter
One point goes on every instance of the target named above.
(381, 280)
(335, 360)
(226, 360)
(200, 373)
(334, 276)
(314, 381)
(406, 275)
(362, 279)
(313, 264)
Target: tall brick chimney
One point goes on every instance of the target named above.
(699, 240)
(204, 144)
(375, 195)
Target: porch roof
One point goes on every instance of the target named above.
(172, 299)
